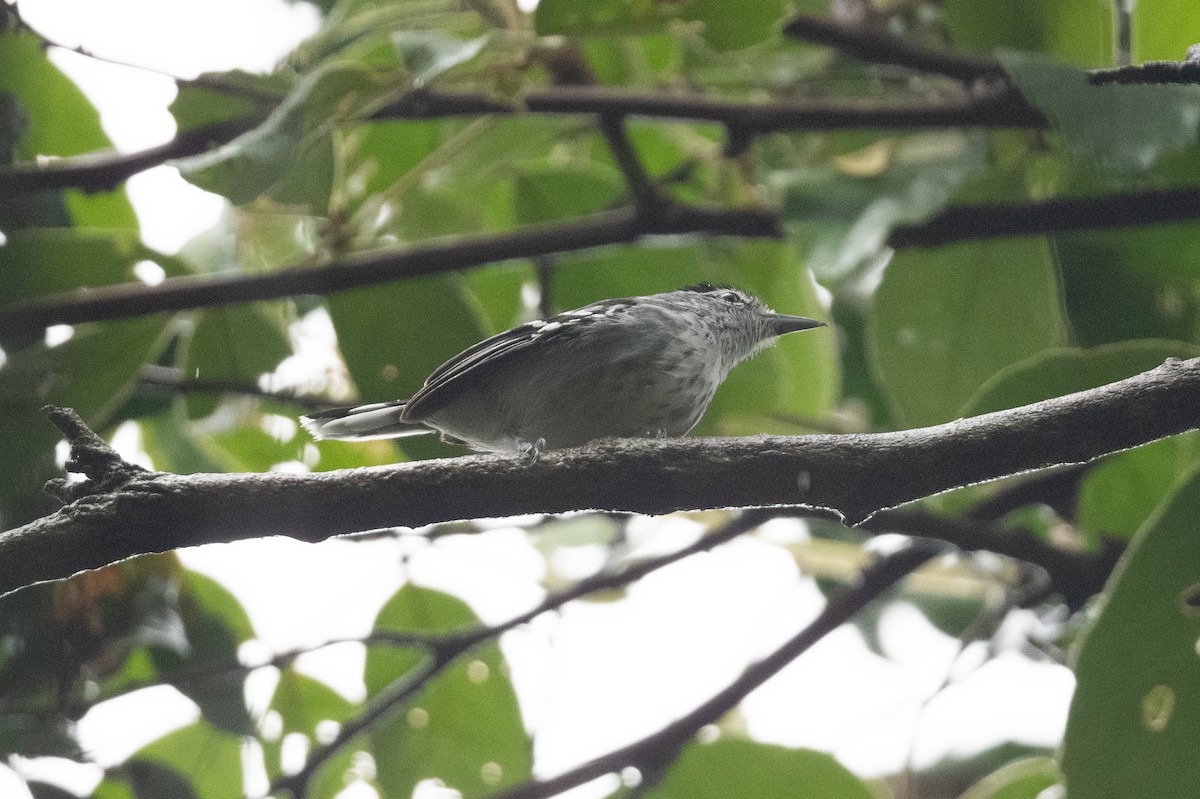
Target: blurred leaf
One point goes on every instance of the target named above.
(546, 194)
(589, 17)
(1163, 30)
(1055, 373)
(110, 788)
(91, 373)
(197, 760)
(304, 703)
(465, 727)
(236, 342)
(1021, 779)
(947, 319)
(428, 53)
(754, 21)
(392, 336)
(46, 790)
(1119, 493)
(1119, 129)
(1132, 283)
(151, 780)
(744, 768)
(58, 121)
(1135, 716)
(841, 215)
(1077, 31)
(29, 736)
(254, 162)
(242, 94)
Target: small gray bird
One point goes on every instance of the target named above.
(630, 367)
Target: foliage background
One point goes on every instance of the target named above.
(923, 336)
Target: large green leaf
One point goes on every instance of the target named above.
(1117, 128)
(1135, 717)
(744, 768)
(235, 343)
(465, 727)
(58, 121)
(197, 760)
(1077, 31)
(1163, 30)
(948, 319)
(841, 215)
(584, 17)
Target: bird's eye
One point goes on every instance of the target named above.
(731, 297)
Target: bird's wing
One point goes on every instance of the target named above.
(503, 346)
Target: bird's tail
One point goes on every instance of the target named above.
(362, 422)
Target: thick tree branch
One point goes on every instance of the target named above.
(620, 226)
(1124, 209)
(878, 47)
(855, 475)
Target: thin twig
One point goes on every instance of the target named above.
(642, 190)
(363, 269)
(878, 47)
(154, 376)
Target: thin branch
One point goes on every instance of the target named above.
(451, 646)
(104, 171)
(1125, 209)
(621, 226)
(656, 751)
(642, 190)
(1151, 72)
(855, 475)
(164, 377)
(878, 47)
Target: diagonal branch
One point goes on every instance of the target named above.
(855, 475)
(656, 751)
(620, 226)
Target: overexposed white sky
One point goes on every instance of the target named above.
(597, 675)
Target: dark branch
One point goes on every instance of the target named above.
(620, 226)
(164, 377)
(642, 190)
(91, 456)
(1125, 209)
(656, 751)
(104, 171)
(855, 475)
(878, 47)
(1186, 71)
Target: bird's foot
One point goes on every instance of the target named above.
(531, 450)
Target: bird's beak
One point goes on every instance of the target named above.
(782, 323)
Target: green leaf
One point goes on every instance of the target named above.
(428, 54)
(1163, 30)
(304, 704)
(590, 17)
(194, 761)
(392, 336)
(754, 21)
(730, 768)
(254, 162)
(546, 194)
(242, 94)
(1077, 31)
(235, 343)
(1135, 716)
(841, 215)
(1021, 779)
(465, 727)
(1120, 129)
(27, 735)
(59, 121)
(1119, 493)
(1055, 373)
(948, 319)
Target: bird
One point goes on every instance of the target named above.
(630, 367)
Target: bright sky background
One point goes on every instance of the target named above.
(596, 675)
